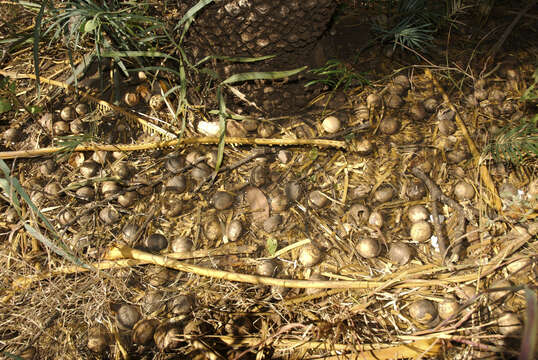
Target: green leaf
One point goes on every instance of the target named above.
(313, 154)
(35, 109)
(262, 75)
(5, 105)
(90, 25)
(192, 11)
(271, 246)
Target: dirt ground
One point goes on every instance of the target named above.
(394, 218)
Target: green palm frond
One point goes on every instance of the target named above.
(518, 144)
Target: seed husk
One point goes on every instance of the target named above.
(416, 190)
(509, 324)
(431, 104)
(167, 336)
(85, 193)
(175, 164)
(373, 100)
(376, 219)
(418, 111)
(259, 176)
(182, 304)
(213, 229)
(389, 126)
(129, 232)
(272, 223)
(176, 184)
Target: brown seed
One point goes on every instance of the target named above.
(480, 94)
(167, 336)
(127, 315)
(12, 135)
(175, 164)
(364, 147)
(284, 156)
(143, 331)
(81, 109)
(131, 99)
(384, 193)
(373, 100)
(30, 353)
(89, 168)
(213, 229)
(272, 223)
(360, 191)
(122, 170)
(465, 292)
(46, 121)
(222, 200)
(359, 213)
(317, 199)
(446, 127)
(423, 311)
(418, 213)
(267, 267)
(496, 95)
(235, 229)
(60, 128)
(100, 156)
(182, 304)
(400, 253)
(181, 245)
(48, 167)
(77, 127)
(396, 89)
(250, 125)
(389, 126)
(293, 190)
(66, 217)
(509, 324)
(394, 101)
(11, 215)
(159, 276)
(416, 190)
(129, 232)
(431, 104)
(156, 242)
(156, 102)
(445, 114)
(464, 191)
(110, 188)
(456, 156)
(143, 92)
(85, 193)
(109, 215)
(98, 339)
(503, 294)
(362, 113)
(259, 176)
(265, 129)
(53, 190)
(200, 172)
(448, 308)
(331, 124)
(376, 219)
(67, 113)
(418, 111)
(279, 201)
(310, 255)
(421, 231)
(176, 184)
(403, 81)
(368, 247)
(172, 207)
(128, 198)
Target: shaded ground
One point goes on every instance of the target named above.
(308, 211)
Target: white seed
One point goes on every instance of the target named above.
(331, 124)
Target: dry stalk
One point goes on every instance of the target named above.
(484, 174)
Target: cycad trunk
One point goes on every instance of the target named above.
(288, 29)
